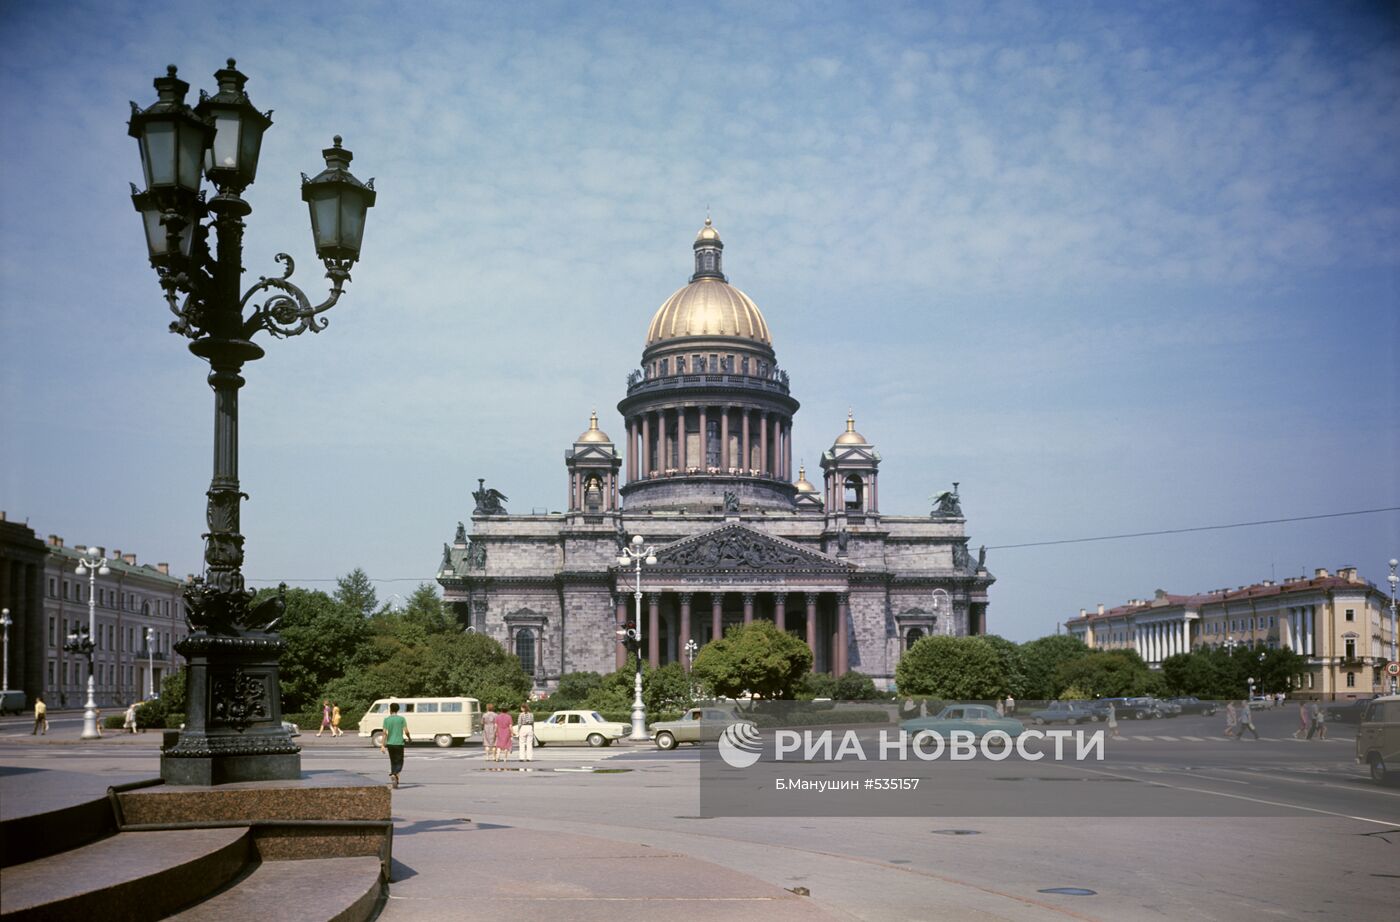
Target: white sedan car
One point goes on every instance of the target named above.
(579, 727)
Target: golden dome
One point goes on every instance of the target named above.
(593, 433)
(707, 232)
(851, 436)
(803, 485)
(708, 307)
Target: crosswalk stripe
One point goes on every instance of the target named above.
(1146, 739)
(1170, 739)
(1194, 739)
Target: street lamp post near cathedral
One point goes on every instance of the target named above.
(233, 729)
(633, 555)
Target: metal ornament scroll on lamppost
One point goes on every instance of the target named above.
(233, 729)
(633, 555)
(81, 639)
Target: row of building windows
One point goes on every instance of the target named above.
(109, 598)
(716, 364)
(107, 637)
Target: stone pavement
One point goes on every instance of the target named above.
(491, 872)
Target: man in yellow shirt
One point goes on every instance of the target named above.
(41, 717)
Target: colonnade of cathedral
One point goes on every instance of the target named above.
(740, 440)
(670, 618)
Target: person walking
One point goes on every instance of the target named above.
(525, 732)
(395, 735)
(1246, 722)
(503, 729)
(325, 718)
(488, 733)
(1304, 721)
(1231, 719)
(41, 717)
(1313, 710)
(1112, 720)
(335, 720)
(129, 720)
(1010, 705)
(98, 718)
(1320, 722)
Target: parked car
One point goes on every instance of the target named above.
(1346, 712)
(1262, 702)
(1133, 708)
(979, 719)
(1190, 704)
(1062, 712)
(291, 728)
(697, 725)
(1166, 707)
(1378, 739)
(1097, 710)
(579, 727)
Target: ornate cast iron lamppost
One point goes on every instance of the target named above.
(1394, 627)
(150, 664)
(633, 555)
(233, 729)
(80, 640)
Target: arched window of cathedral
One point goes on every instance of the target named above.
(855, 492)
(525, 649)
(914, 636)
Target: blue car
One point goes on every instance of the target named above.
(977, 719)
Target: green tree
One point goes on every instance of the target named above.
(965, 668)
(324, 640)
(1105, 674)
(356, 591)
(856, 686)
(757, 659)
(1042, 658)
(1012, 664)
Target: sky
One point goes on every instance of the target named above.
(1113, 268)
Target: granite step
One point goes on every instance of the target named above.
(335, 889)
(128, 876)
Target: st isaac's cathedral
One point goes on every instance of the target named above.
(709, 482)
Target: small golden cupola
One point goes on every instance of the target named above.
(593, 433)
(803, 484)
(851, 436)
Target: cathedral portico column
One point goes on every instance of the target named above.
(621, 625)
(685, 621)
(724, 464)
(682, 419)
(717, 615)
(748, 607)
(874, 494)
(763, 466)
(843, 633)
(780, 610)
(704, 440)
(744, 448)
(646, 446)
(654, 629)
(812, 625)
(665, 440)
(631, 449)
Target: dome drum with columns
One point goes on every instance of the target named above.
(705, 472)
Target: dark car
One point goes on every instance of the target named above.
(1190, 704)
(1067, 711)
(1132, 708)
(1097, 710)
(1346, 712)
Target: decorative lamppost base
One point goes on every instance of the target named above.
(233, 730)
